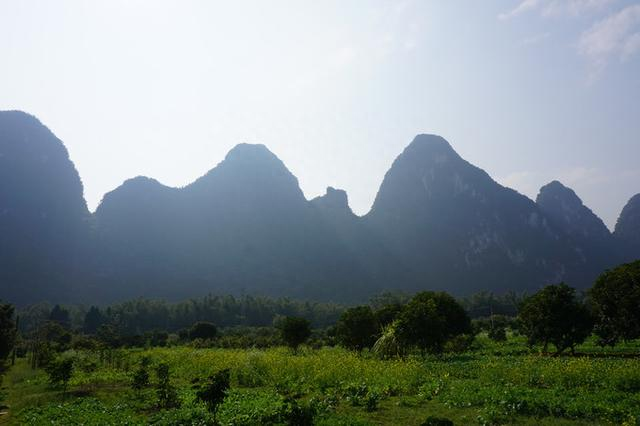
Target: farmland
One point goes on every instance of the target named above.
(489, 383)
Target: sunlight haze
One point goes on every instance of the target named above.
(530, 91)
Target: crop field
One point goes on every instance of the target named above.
(492, 383)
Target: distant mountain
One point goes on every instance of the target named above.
(245, 226)
(438, 222)
(459, 230)
(627, 230)
(43, 215)
(587, 234)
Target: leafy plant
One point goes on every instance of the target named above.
(60, 371)
(213, 391)
(165, 391)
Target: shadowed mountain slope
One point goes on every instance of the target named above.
(43, 215)
(627, 231)
(438, 222)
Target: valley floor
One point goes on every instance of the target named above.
(493, 383)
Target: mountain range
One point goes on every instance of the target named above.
(438, 222)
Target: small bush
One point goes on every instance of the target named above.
(214, 390)
(140, 378)
(437, 421)
(60, 371)
(166, 392)
(371, 401)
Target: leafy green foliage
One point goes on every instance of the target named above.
(430, 319)
(436, 421)
(60, 371)
(140, 378)
(214, 390)
(357, 328)
(554, 315)
(497, 333)
(386, 314)
(7, 330)
(492, 383)
(203, 330)
(165, 390)
(615, 298)
(60, 316)
(295, 331)
(93, 319)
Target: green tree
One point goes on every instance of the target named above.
(58, 337)
(429, 320)
(615, 298)
(294, 331)
(140, 378)
(357, 328)
(108, 336)
(166, 392)
(386, 314)
(7, 331)
(93, 320)
(60, 371)
(214, 390)
(203, 330)
(61, 316)
(554, 315)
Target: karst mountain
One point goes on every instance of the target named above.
(438, 222)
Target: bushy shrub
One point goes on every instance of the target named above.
(295, 331)
(437, 421)
(357, 328)
(203, 330)
(615, 299)
(60, 371)
(554, 315)
(214, 390)
(165, 391)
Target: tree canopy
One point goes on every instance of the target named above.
(554, 315)
(615, 299)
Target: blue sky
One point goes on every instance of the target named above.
(529, 90)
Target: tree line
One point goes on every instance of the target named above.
(392, 324)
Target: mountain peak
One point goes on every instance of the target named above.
(567, 210)
(251, 153)
(628, 225)
(429, 145)
(558, 191)
(334, 199)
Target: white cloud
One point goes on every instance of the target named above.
(583, 176)
(556, 8)
(631, 46)
(617, 35)
(573, 8)
(524, 7)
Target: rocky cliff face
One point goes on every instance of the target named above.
(243, 226)
(459, 230)
(438, 222)
(627, 231)
(585, 232)
(43, 215)
(565, 208)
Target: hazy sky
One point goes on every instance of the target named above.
(529, 90)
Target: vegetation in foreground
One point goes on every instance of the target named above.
(491, 383)
(422, 361)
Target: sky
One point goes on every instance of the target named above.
(528, 90)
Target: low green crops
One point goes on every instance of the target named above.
(492, 384)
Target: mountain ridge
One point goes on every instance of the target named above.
(437, 222)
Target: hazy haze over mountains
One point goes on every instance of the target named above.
(438, 222)
(531, 91)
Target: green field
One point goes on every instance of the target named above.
(493, 383)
